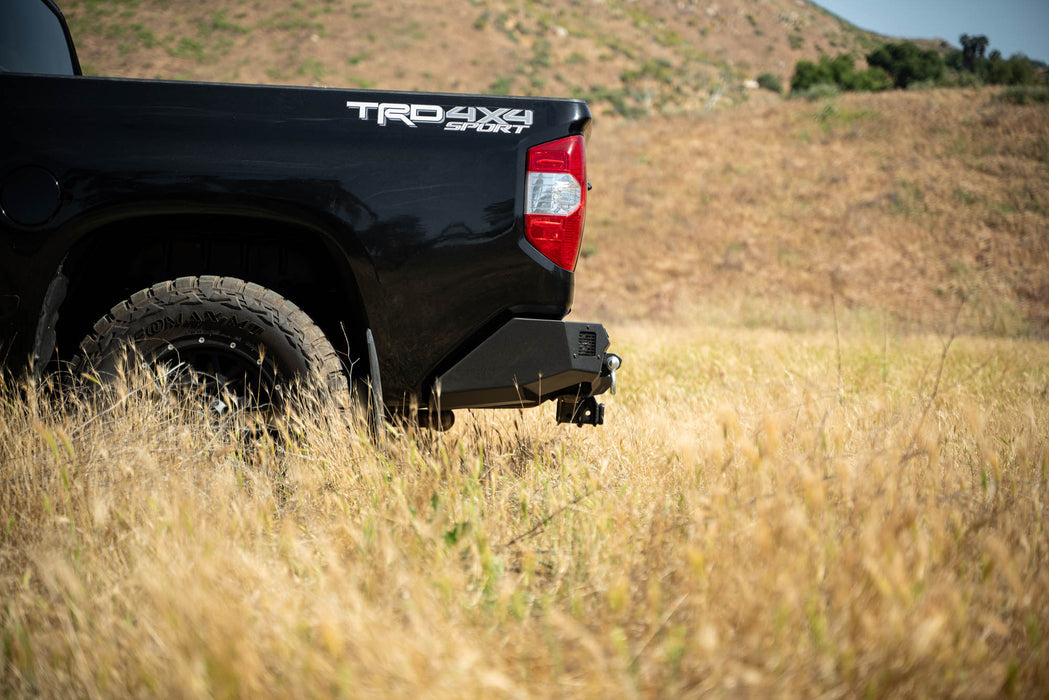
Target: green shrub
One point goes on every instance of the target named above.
(807, 74)
(817, 92)
(891, 65)
(962, 79)
(502, 85)
(770, 81)
(658, 69)
(924, 85)
(872, 80)
(1016, 70)
(1023, 95)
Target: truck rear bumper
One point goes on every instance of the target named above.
(527, 362)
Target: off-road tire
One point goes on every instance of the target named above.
(208, 323)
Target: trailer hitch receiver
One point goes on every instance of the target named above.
(586, 411)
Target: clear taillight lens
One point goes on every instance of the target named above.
(553, 193)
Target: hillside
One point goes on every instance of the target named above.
(711, 198)
(907, 203)
(635, 57)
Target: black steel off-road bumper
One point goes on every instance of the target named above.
(529, 361)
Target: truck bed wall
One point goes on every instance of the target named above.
(425, 221)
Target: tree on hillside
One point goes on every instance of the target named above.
(907, 63)
(973, 49)
(982, 67)
(1016, 70)
(806, 75)
(839, 71)
(904, 64)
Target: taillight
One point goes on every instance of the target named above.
(555, 207)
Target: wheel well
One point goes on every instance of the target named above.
(113, 262)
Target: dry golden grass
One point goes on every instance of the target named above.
(766, 512)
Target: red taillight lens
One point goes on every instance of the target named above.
(555, 206)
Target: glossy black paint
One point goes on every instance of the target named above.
(420, 227)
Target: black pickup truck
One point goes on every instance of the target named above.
(425, 243)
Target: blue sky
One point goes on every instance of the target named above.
(1012, 26)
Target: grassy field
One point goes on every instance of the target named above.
(803, 513)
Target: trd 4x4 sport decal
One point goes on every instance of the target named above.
(500, 120)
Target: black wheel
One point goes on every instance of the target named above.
(223, 335)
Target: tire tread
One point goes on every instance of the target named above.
(113, 330)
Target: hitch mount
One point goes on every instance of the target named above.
(585, 411)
